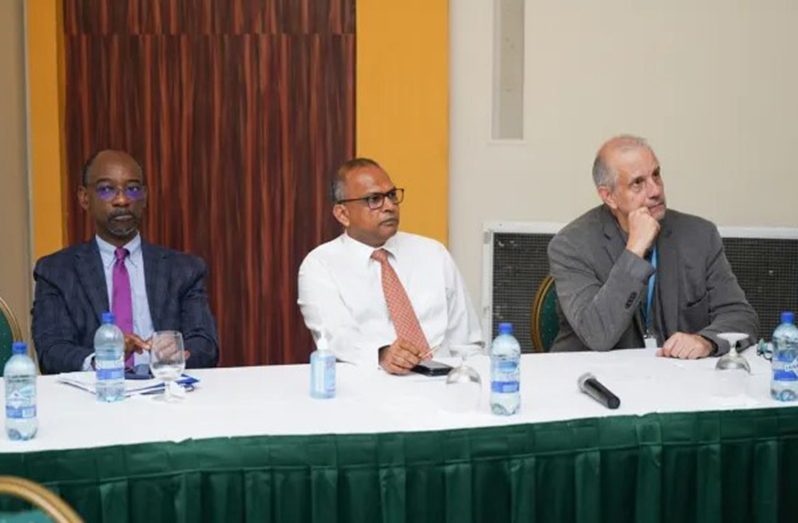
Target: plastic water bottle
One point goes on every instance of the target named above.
(322, 371)
(784, 383)
(109, 360)
(505, 372)
(20, 380)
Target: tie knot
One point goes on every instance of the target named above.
(381, 255)
(121, 253)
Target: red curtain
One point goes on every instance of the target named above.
(239, 111)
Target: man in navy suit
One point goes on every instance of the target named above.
(75, 286)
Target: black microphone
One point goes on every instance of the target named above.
(591, 386)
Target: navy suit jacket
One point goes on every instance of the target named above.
(71, 295)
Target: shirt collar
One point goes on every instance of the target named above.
(107, 250)
(363, 251)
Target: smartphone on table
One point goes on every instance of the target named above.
(432, 368)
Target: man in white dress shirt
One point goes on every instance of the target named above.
(354, 290)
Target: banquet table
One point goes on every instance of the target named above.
(250, 444)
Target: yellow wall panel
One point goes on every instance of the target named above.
(402, 102)
(45, 130)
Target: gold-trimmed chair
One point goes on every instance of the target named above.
(545, 321)
(9, 332)
(45, 502)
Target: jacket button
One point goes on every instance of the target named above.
(631, 299)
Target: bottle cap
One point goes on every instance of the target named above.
(505, 328)
(787, 317)
(108, 317)
(19, 347)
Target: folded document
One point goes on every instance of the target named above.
(86, 380)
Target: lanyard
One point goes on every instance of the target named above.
(651, 284)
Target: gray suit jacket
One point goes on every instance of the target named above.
(71, 296)
(600, 284)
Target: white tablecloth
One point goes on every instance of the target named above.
(274, 400)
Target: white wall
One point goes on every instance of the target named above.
(712, 84)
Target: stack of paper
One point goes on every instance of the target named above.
(86, 380)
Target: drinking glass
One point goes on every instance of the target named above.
(732, 360)
(167, 361)
(735, 367)
(463, 383)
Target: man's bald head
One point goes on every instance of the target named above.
(604, 173)
(101, 159)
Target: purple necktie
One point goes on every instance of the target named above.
(122, 300)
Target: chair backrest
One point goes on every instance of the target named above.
(45, 503)
(9, 332)
(545, 321)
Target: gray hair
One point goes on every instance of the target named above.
(337, 188)
(603, 174)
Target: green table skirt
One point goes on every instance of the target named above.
(701, 467)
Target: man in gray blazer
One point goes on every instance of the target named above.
(632, 273)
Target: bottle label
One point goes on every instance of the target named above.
(323, 374)
(505, 387)
(504, 374)
(20, 398)
(117, 373)
(508, 366)
(785, 367)
(20, 412)
(329, 375)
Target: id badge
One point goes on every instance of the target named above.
(650, 341)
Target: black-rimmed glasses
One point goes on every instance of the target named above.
(107, 192)
(377, 200)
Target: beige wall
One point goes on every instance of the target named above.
(713, 85)
(15, 276)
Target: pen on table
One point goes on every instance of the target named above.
(430, 352)
(159, 389)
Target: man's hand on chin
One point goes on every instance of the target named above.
(686, 347)
(643, 230)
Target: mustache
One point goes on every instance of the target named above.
(120, 214)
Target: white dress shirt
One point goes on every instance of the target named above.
(341, 296)
(134, 263)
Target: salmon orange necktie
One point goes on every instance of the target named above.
(403, 316)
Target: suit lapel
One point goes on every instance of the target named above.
(668, 275)
(155, 279)
(615, 243)
(92, 277)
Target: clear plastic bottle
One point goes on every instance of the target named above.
(20, 380)
(505, 372)
(109, 360)
(322, 371)
(784, 381)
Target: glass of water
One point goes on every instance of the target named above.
(735, 367)
(463, 383)
(167, 361)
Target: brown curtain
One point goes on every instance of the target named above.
(239, 111)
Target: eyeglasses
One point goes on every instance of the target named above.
(132, 191)
(377, 200)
